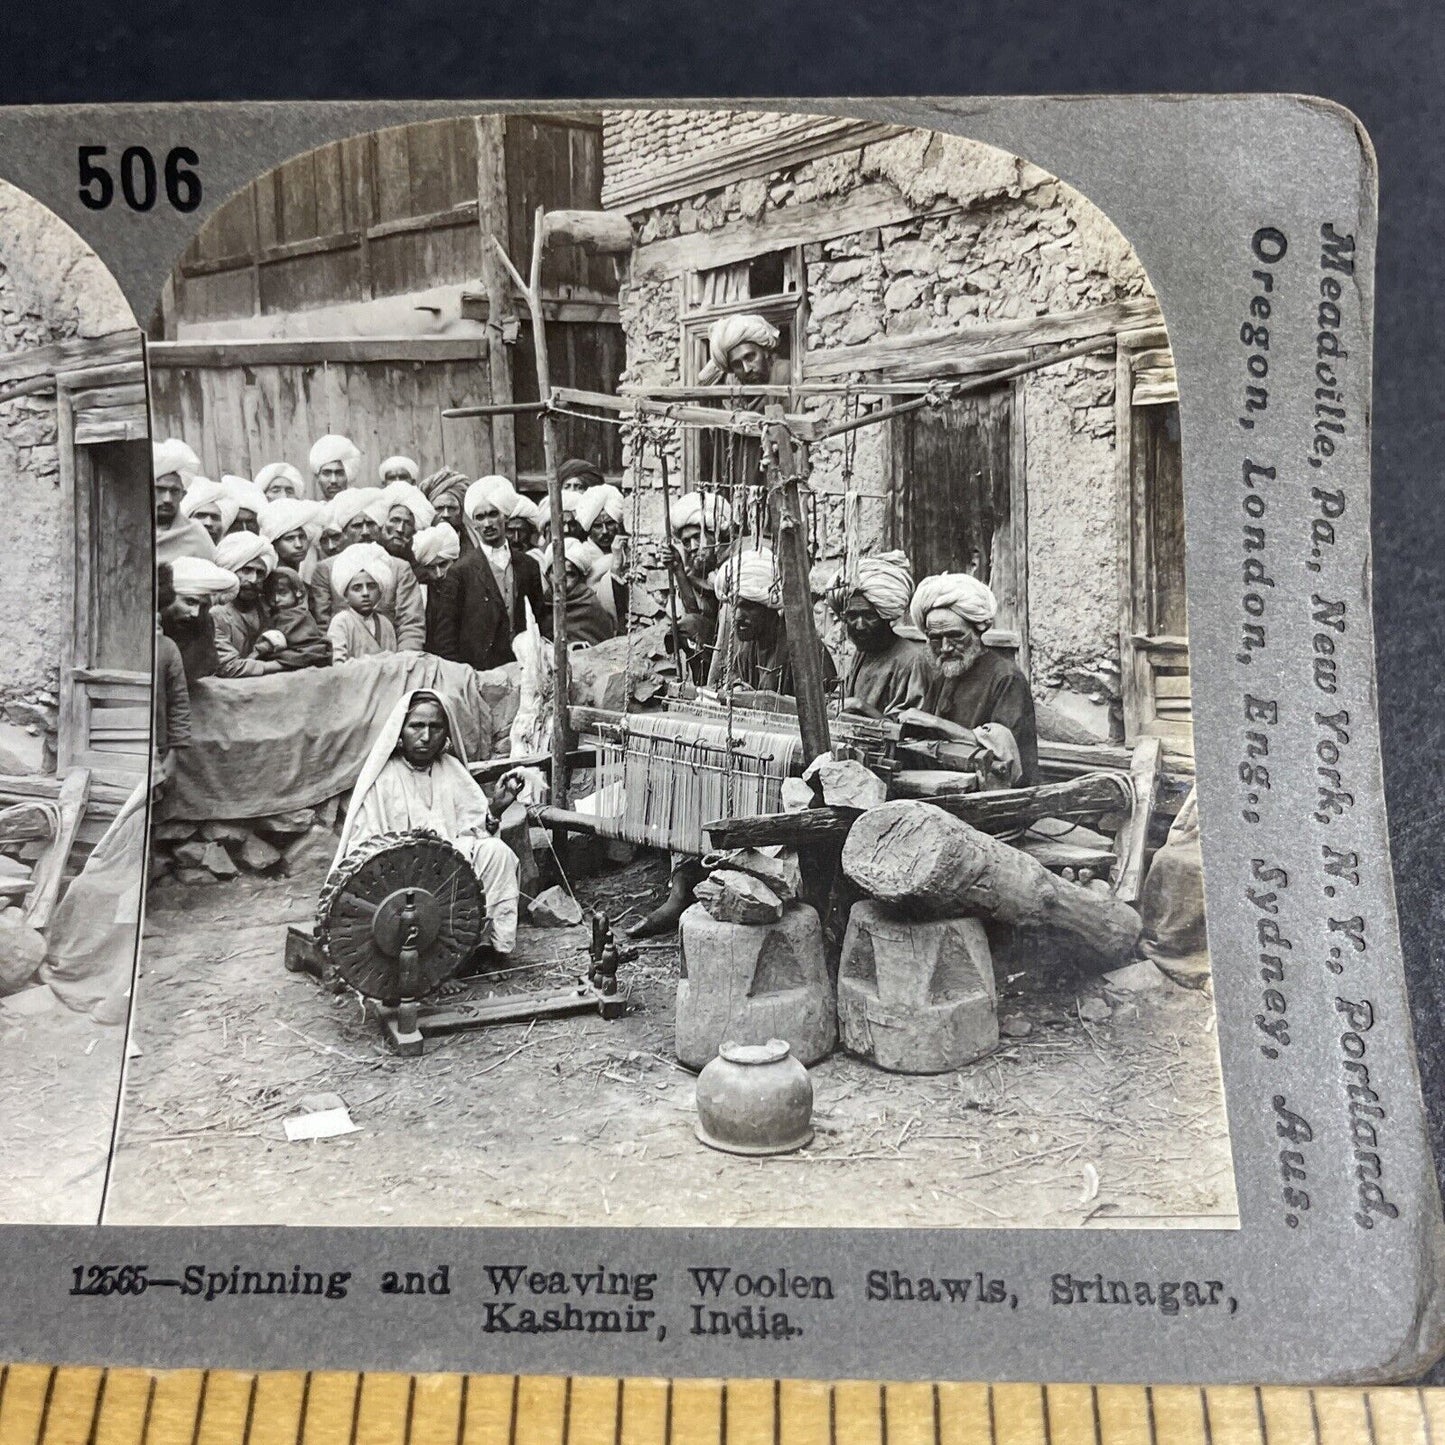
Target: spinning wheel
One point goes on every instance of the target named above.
(399, 915)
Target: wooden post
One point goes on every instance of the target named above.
(786, 461)
(493, 216)
(561, 728)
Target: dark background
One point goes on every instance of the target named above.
(1382, 60)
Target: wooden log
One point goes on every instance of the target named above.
(45, 881)
(1005, 811)
(598, 233)
(915, 857)
(931, 783)
(492, 216)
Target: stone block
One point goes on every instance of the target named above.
(216, 832)
(172, 830)
(287, 825)
(21, 752)
(916, 997)
(751, 983)
(775, 866)
(733, 897)
(846, 784)
(798, 796)
(218, 861)
(191, 855)
(258, 855)
(556, 908)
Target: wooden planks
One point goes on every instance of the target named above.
(1133, 837)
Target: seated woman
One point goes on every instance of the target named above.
(416, 777)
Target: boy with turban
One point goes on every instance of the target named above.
(760, 658)
(890, 672)
(240, 621)
(335, 462)
(292, 527)
(434, 551)
(972, 686)
(588, 621)
(362, 580)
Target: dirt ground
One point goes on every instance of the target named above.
(1116, 1122)
(58, 1086)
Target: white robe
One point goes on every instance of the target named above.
(392, 796)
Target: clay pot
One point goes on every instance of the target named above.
(755, 1099)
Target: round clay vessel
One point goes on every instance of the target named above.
(755, 1099)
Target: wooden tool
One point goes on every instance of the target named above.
(44, 1405)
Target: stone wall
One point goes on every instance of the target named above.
(52, 287)
(995, 238)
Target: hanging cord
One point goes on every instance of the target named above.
(683, 664)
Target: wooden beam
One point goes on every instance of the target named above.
(1006, 811)
(303, 351)
(597, 233)
(942, 352)
(45, 880)
(58, 356)
(789, 143)
(861, 209)
(493, 216)
(745, 423)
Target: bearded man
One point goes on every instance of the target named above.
(972, 686)
(241, 621)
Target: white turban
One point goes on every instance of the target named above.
(362, 557)
(203, 493)
(349, 504)
(958, 592)
(433, 544)
(696, 508)
(492, 491)
(274, 472)
(528, 511)
(335, 449)
(404, 494)
(751, 576)
(392, 463)
(732, 331)
(240, 549)
(173, 455)
(596, 500)
(249, 497)
(571, 500)
(886, 581)
(286, 514)
(195, 577)
(584, 555)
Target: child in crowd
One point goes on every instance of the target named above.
(293, 639)
(361, 579)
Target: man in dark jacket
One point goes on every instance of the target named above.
(491, 587)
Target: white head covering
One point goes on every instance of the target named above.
(596, 500)
(359, 557)
(286, 514)
(527, 510)
(347, 505)
(886, 581)
(392, 463)
(433, 544)
(571, 499)
(335, 448)
(695, 508)
(751, 576)
(274, 472)
(249, 497)
(195, 577)
(495, 491)
(732, 331)
(202, 493)
(411, 497)
(960, 593)
(452, 762)
(236, 549)
(173, 455)
(585, 555)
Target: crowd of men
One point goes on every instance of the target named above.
(282, 573)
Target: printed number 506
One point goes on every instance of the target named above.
(140, 182)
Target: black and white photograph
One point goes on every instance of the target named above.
(680, 621)
(75, 720)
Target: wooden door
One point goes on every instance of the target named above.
(1157, 699)
(958, 499)
(105, 466)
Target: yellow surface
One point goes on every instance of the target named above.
(42, 1406)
